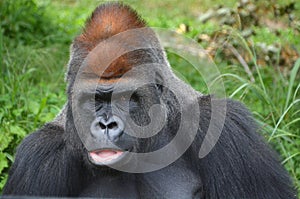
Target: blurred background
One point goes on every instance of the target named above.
(255, 44)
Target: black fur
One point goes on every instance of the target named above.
(53, 161)
(240, 166)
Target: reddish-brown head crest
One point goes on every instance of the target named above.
(116, 39)
(107, 20)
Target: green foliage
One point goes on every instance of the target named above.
(34, 45)
(26, 99)
(25, 103)
(274, 100)
(26, 22)
(21, 20)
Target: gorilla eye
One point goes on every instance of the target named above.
(90, 102)
(134, 97)
(99, 98)
(159, 87)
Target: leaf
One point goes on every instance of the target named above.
(33, 107)
(3, 162)
(16, 130)
(4, 140)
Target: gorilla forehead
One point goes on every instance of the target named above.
(136, 77)
(113, 57)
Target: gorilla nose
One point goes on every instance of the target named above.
(112, 127)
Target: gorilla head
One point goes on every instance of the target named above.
(117, 93)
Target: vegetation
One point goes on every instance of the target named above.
(34, 50)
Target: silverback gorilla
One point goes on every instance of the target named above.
(131, 129)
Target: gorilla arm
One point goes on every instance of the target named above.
(240, 165)
(41, 166)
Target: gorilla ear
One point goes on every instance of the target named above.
(159, 83)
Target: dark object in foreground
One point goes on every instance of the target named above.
(88, 150)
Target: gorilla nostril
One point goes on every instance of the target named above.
(112, 125)
(102, 126)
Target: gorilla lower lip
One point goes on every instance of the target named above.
(105, 155)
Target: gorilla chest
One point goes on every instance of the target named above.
(111, 186)
(170, 182)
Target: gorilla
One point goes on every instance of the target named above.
(132, 129)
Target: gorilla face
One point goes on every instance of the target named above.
(101, 119)
(114, 92)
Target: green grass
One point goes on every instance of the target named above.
(34, 52)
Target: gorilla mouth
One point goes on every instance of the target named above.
(106, 156)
